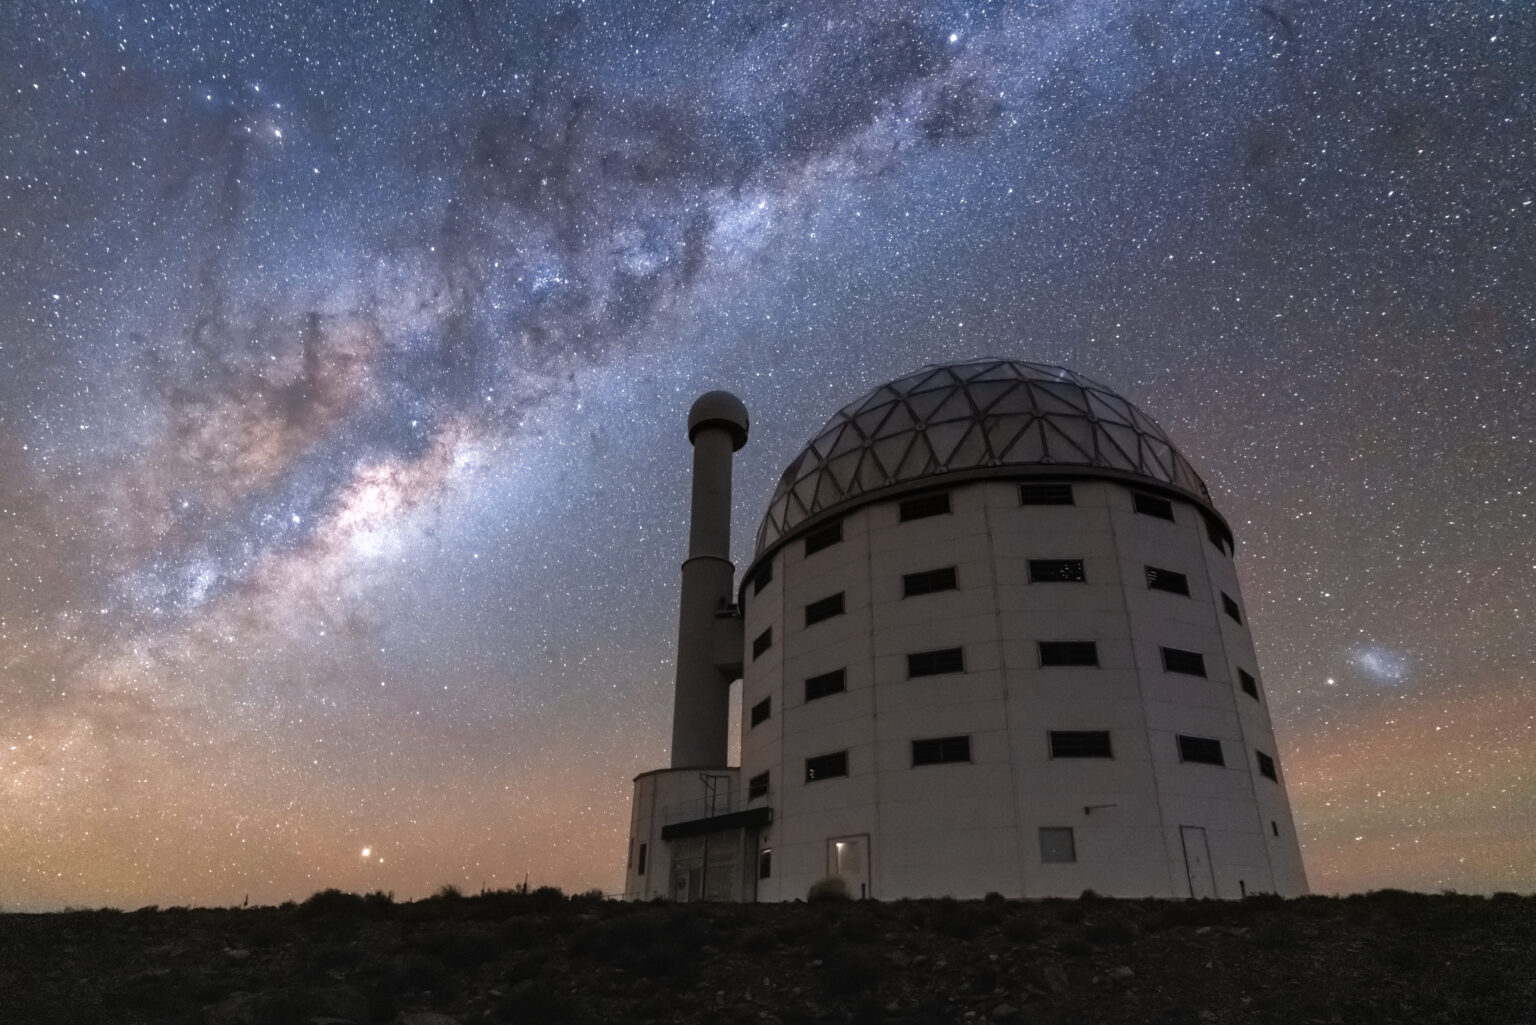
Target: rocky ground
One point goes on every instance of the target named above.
(541, 957)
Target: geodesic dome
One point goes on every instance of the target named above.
(966, 418)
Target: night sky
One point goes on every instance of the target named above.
(345, 351)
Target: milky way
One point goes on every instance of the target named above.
(345, 350)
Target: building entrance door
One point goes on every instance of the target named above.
(848, 860)
(1197, 862)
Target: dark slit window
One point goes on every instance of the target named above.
(761, 578)
(1190, 663)
(1249, 684)
(1230, 608)
(826, 766)
(1267, 766)
(828, 607)
(762, 710)
(928, 581)
(1069, 653)
(762, 642)
(1045, 494)
(1151, 505)
(1204, 750)
(1056, 571)
(934, 663)
(941, 749)
(1167, 580)
(1080, 744)
(834, 682)
(757, 786)
(823, 537)
(924, 506)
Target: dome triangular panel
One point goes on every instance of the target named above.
(984, 417)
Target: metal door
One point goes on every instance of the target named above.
(848, 859)
(1197, 862)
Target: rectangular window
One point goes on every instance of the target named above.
(935, 663)
(924, 506)
(834, 682)
(826, 766)
(1274, 827)
(1045, 494)
(1167, 580)
(640, 862)
(761, 578)
(1266, 766)
(1230, 607)
(1056, 845)
(630, 863)
(928, 581)
(762, 642)
(940, 750)
(1205, 750)
(823, 537)
(762, 710)
(828, 607)
(1069, 653)
(1249, 684)
(1176, 660)
(1215, 533)
(765, 863)
(1151, 505)
(1080, 744)
(757, 786)
(1056, 571)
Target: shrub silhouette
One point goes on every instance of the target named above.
(831, 888)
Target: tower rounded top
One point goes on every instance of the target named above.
(719, 409)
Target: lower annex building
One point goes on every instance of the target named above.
(991, 640)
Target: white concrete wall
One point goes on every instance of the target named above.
(967, 829)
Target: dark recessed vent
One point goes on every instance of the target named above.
(935, 663)
(757, 786)
(1056, 571)
(1167, 580)
(826, 608)
(928, 581)
(1204, 750)
(834, 682)
(1266, 766)
(940, 750)
(1080, 744)
(924, 506)
(762, 642)
(762, 710)
(1069, 653)
(1249, 684)
(1045, 494)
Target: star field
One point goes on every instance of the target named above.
(345, 351)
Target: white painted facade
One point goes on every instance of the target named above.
(993, 806)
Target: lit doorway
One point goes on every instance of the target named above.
(848, 860)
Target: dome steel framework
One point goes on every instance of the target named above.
(974, 416)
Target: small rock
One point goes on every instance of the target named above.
(899, 958)
(427, 1018)
(1004, 1012)
(237, 955)
(1203, 930)
(1207, 1015)
(1124, 972)
(1055, 978)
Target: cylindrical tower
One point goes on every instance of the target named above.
(717, 426)
(995, 642)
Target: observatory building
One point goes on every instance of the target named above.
(991, 639)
